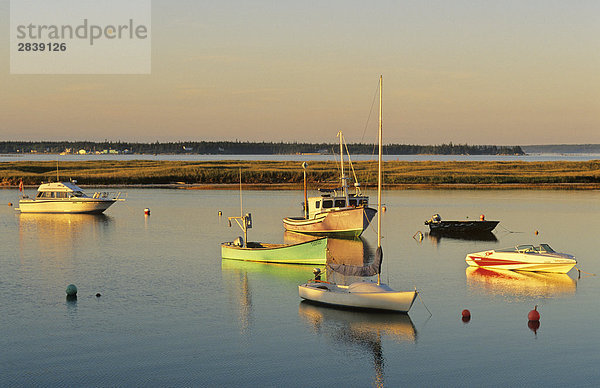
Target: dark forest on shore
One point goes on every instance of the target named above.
(248, 148)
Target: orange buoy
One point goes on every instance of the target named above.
(534, 315)
(536, 232)
(482, 217)
(10, 204)
(147, 211)
(383, 209)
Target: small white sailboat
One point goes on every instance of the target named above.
(363, 294)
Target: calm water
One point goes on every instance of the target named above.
(173, 314)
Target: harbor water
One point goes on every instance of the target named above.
(170, 312)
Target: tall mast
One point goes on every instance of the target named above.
(379, 169)
(341, 156)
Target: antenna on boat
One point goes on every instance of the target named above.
(344, 180)
(304, 166)
(379, 170)
(339, 134)
(243, 221)
(241, 207)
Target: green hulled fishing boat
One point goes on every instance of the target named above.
(309, 252)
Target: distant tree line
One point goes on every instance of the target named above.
(250, 148)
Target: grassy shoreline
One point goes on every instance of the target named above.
(286, 175)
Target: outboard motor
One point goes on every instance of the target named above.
(317, 273)
(239, 241)
(434, 218)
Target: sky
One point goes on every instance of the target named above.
(476, 72)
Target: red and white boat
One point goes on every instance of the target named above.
(540, 258)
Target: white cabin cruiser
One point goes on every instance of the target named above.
(526, 257)
(66, 197)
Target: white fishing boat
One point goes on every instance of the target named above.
(362, 294)
(336, 212)
(541, 258)
(66, 197)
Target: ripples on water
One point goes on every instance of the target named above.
(171, 312)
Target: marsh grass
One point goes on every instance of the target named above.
(322, 174)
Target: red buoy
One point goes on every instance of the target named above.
(482, 217)
(534, 315)
(147, 211)
(466, 316)
(533, 326)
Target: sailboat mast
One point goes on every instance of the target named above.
(379, 169)
(342, 160)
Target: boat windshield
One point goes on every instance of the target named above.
(545, 248)
(525, 248)
(77, 194)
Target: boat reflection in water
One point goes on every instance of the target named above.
(239, 276)
(437, 237)
(60, 235)
(354, 251)
(362, 329)
(520, 283)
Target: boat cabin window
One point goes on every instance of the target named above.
(61, 194)
(340, 203)
(327, 204)
(353, 202)
(44, 194)
(317, 204)
(363, 202)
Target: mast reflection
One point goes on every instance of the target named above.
(241, 277)
(359, 328)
